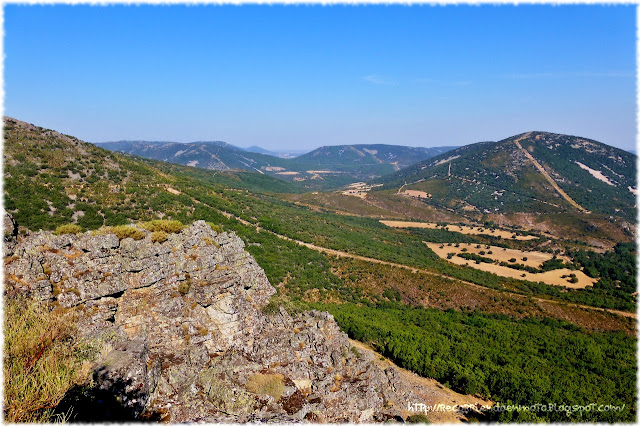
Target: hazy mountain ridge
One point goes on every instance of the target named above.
(329, 166)
(214, 155)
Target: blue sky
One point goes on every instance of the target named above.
(298, 77)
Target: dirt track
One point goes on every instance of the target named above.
(548, 177)
(410, 268)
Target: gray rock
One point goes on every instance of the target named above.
(190, 340)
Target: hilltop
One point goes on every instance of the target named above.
(555, 181)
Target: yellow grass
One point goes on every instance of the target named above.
(469, 230)
(266, 384)
(68, 229)
(168, 226)
(534, 259)
(41, 360)
(415, 194)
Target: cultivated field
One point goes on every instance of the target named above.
(463, 229)
(499, 254)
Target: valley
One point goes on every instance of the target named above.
(377, 261)
(322, 168)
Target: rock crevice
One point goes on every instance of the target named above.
(188, 336)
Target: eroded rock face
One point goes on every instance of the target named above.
(188, 339)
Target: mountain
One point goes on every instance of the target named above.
(173, 293)
(260, 150)
(323, 168)
(282, 154)
(534, 173)
(386, 157)
(215, 155)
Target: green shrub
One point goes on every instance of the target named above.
(168, 226)
(121, 231)
(418, 418)
(159, 236)
(215, 228)
(184, 287)
(68, 229)
(125, 231)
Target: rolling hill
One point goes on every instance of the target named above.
(324, 168)
(538, 174)
(214, 155)
(468, 328)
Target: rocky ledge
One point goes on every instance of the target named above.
(185, 336)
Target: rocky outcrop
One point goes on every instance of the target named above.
(187, 335)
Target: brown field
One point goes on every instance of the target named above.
(474, 230)
(415, 194)
(534, 259)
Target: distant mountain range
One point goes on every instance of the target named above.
(282, 154)
(322, 168)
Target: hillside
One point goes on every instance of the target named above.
(323, 168)
(169, 319)
(207, 155)
(382, 159)
(536, 174)
(383, 285)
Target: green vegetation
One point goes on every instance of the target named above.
(509, 361)
(475, 257)
(524, 361)
(616, 269)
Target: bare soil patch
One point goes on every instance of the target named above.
(533, 259)
(415, 194)
(173, 191)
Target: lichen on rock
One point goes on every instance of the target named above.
(189, 340)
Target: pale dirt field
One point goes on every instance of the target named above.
(173, 191)
(288, 173)
(274, 169)
(430, 391)
(534, 259)
(475, 230)
(355, 193)
(415, 194)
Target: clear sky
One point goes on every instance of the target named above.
(298, 77)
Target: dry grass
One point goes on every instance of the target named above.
(68, 229)
(121, 231)
(533, 258)
(266, 384)
(41, 361)
(168, 226)
(159, 236)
